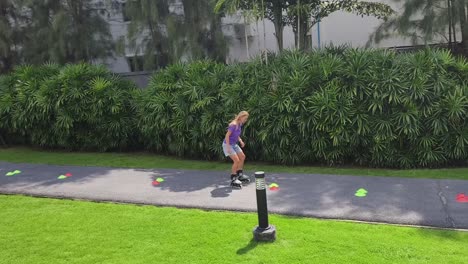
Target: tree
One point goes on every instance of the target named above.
(231, 7)
(88, 35)
(274, 13)
(302, 15)
(299, 13)
(41, 15)
(462, 7)
(10, 34)
(424, 21)
(69, 30)
(60, 31)
(145, 33)
(159, 37)
(203, 33)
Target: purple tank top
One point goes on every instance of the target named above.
(235, 133)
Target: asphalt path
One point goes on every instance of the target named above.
(421, 202)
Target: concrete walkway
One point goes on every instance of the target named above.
(389, 200)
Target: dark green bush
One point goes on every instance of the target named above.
(337, 106)
(182, 108)
(80, 107)
(23, 111)
(363, 107)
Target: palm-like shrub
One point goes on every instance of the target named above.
(181, 112)
(335, 106)
(363, 107)
(22, 110)
(80, 107)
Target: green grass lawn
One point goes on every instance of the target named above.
(144, 160)
(39, 230)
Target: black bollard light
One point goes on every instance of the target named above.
(264, 231)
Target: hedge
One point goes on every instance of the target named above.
(365, 107)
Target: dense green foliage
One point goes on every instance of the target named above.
(338, 106)
(355, 106)
(75, 107)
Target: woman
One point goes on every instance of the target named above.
(232, 149)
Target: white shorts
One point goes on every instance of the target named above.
(234, 149)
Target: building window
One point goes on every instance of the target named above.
(125, 16)
(135, 63)
(138, 63)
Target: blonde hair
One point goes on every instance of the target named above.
(241, 114)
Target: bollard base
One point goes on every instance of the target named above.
(265, 234)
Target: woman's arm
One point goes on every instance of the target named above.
(241, 142)
(228, 133)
